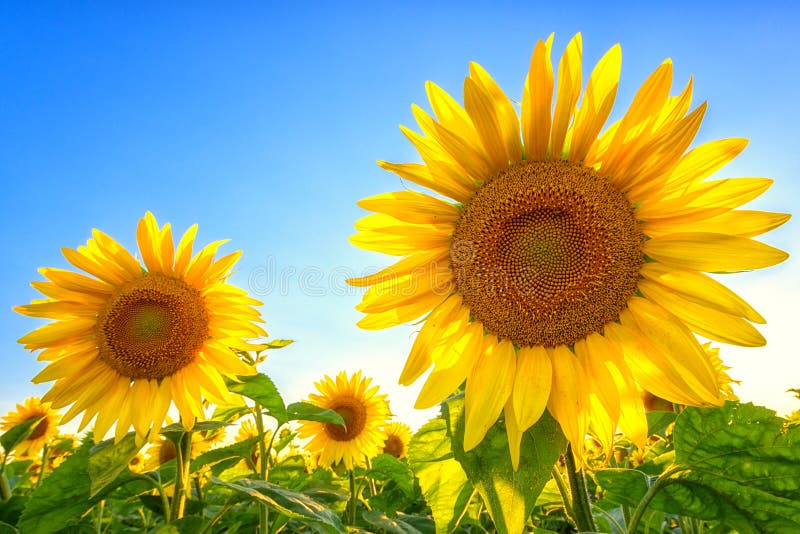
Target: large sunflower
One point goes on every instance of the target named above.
(130, 340)
(558, 266)
(42, 432)
(365, 415)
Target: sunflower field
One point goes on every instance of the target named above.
(559, 274)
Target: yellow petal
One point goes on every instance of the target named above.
(531, 385)
(107, 271)
(569, 88)
(537, 101)
(147, 236)
(116, 392)
(506, 114)
(709, 252)
(116, 252)
(740, 223)
(197, 271)
(597, 103)
(58, 333)
(406, 290)
(465, 350)
(483, 113)
(421, 175)
(412, 207)
(183, 253)
(143, 393)
(513, 432)
(704, 160)
(166, 248)
(569, 401)
(420, 261)
(75, 282)
(489, 387)
(419, 359)
(161, 404)
(442, 167)
(707, 322)
(604, 403)
(672, 337)
(700, 289)
(400, 315)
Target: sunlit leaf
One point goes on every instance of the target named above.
(108, 459)
(18, 433)
(303, 411)
(444, 483)
(290, 503)
(397, 525)
(509, 495)
(260, 388)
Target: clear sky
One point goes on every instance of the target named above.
(262, 123)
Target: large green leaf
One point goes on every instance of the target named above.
(397, 525)
(444, 484)
(108, 459)
(744, 469)
(17, 434)
(290, 503)
(303, 411)
(65, 495)
(509, 495)
(386, 467)
(236, 451)
(174, 431)
(260, 388)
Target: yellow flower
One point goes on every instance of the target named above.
(724, 379)
(365, 414)
(43, 431)
(557, 267)
(130, 340)
(397, 437)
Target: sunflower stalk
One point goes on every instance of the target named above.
(351, 504)
(183, 452)
(43, 467)
(581, 505)
(263, 462)
(663, 481)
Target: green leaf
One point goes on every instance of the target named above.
(303, 411)
(5, 528)
(290, 503)
(278, 343)
(107, 460)
(509, 496)
(744, 469)
(64, 496)
(231, 412)
(174, 431)
(657, 422)
(239, 450)
(441, 478)
(378, 519)
(260, 388)
(624, 487)
(186, 525)
(386, 467)
(18, 433)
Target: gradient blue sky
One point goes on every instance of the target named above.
(262, 123)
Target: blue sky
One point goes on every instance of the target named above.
(262, 123)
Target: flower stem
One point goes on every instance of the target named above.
(45, 458)
(663, 481)
(581, 505)
(351, 505)
(5, 489)
(564, 491)
(263, 465)
(183, 456)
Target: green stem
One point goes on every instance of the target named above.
(263, 466)
(5, 489)
(564, 491)
(98, 527)
(373, 490)
(183, 456)
(464, 511)
(216, 518)
(351, 505)
(581, 505)
(663, 481)
(43, 468)
(161, 493)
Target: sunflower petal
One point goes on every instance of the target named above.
(709, 252)
(489, 386)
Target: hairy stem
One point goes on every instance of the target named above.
(663, 481)
(183, 456)
(581, 505)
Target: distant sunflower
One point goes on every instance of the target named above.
(568, 265)
(397, 437)
(365, 414)
(130, 340)
(43, 431)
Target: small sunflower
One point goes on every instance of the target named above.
(365, 414)
(43, 431)
(559, 267)
(129, 340)
(397, 437)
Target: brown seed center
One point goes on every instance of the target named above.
(394, 446)
(354, 414)
(152, 327)
(546, 253)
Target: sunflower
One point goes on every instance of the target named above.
(365, 415)
(397, 437)
(129, 340)
(557, 267)
(43, 431)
